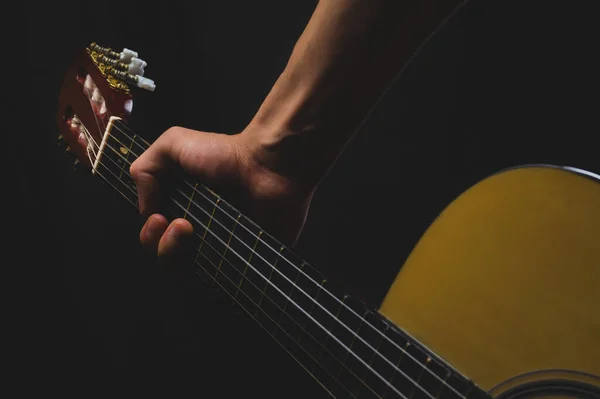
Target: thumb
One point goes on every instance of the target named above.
(150, 168)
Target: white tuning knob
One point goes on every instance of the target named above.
(136, 66)
(126, 55)
(145, 83)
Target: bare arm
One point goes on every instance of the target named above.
(348, 55)
(346, 58)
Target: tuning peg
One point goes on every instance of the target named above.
(136, 66)
(145, 83)
(138, 80)
(124, 56)
(127, 54)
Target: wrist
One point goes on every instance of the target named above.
(266, 168)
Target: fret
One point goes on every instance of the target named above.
(411, 369)
(126, 152)
(140, 145)
(393, 379)
(201, 216)
(315, 329)
(263, 292)
(248, 263)
(288, 300)
(345, 358)
(207, 226)
(340, 350)
(120, 148)
(440, 394)
(210, 195)
(123, 133)
(313, 305)
(356, 334)
(110, 178)
(227, 246)
(418, 393)
(191, 200)
(375, 383)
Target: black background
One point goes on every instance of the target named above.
(503, 83)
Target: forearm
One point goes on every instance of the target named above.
(348, 55)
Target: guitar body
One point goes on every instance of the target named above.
(505, 284)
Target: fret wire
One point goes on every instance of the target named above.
(113, 186)
(360, 324)
(190, 202)
(367, 323)
(228, 241)
(441, 389)
(208, 225)
(263, 292)
(397, 366)
(126, 157)
(249, 260)
(337, 314)
(290, 295)
(134, 193)
(312, 307)
(107, 155)
(373, 355)
(412, 391)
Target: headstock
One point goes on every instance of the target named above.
(98, 85)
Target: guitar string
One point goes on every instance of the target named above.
(335, 319)
(250, 314)
(245, 294)
(319, 286)
(327, 331)
(244, 277)
(364, 321)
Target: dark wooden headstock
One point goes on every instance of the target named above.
(98, 85)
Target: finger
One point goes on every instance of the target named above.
(149, 169)
(152, 231)
(175, 243)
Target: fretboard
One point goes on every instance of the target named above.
(346, 345)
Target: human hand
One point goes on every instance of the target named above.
(229, 162)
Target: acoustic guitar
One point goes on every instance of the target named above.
(499, 299)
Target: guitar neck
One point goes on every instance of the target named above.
(347, 346)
